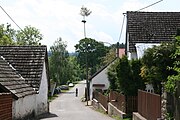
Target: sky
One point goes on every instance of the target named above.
(61, 18)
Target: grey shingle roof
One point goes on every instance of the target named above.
(27, 60)
(151, 27)
(13, 82)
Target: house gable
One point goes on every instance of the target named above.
(150, 27)
(99, 80)
(100, 70)
(27, 60)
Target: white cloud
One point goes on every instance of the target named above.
(61, 18)
(104, 37)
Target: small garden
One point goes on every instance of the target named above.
(160, 66)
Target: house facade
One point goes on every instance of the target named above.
(31, 64)
(22, 94)
(146, 29)
(99, 81)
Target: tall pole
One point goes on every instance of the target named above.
(86, 52)
(87, 81)
(84, 21)
(85, 12)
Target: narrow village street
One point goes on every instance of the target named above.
(69, 107)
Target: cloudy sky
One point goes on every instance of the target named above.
(61, 18)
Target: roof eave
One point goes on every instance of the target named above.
(7, 90)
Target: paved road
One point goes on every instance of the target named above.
(69, 107)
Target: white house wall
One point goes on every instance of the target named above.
(141, 47)
(101, 78)
(133, 55)
(24, 107)
(42, 97)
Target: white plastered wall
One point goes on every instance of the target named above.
(42, 97)
(24, 107)
(101, 78)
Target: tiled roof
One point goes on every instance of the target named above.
(13, 82)
(151, 27)
(27, 60)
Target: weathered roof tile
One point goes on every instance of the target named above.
(27, 60)
(151, 27)
(12, 81)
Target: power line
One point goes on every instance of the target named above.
(150, 5)
(121, 27)
(11, 18)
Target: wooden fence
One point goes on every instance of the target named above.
(101, 99)
(149, 105)
(126, 104)
(118, 100)
(131, 104)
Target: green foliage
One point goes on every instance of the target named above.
(74, 69)
(111, 55)
(155, 62)
(29, 36)
(63, 68)
(92, 51)
(6, 35)
(128, 76)
(112, 76)
(137, 80)
(171, 84)
(58, 62)
(124, 76)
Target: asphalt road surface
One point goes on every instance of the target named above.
(69, 107)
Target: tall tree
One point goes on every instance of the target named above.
(137, 80)
(112, 77)
(29, 36)
(74, 69)
(58, 62)
(92, 51)
(128, 76)
(124, 76)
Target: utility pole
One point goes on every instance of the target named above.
(84, 21)
(85, 12)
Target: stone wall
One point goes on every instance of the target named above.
(177, 103)
(114, 111)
